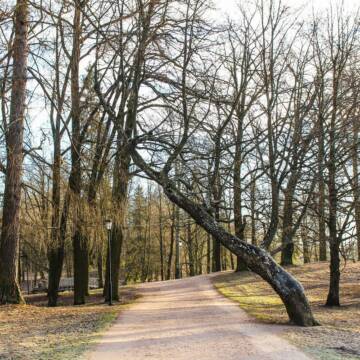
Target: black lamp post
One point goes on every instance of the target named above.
(108, 224)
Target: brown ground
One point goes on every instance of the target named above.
(189, 320)
(339, 335)
(35, 331)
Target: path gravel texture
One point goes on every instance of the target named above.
(189, 320)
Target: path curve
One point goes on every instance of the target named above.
(188, 319)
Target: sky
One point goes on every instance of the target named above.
(228, 6)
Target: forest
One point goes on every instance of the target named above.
(207, 142)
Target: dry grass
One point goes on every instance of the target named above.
(339, 335)
(35, 331)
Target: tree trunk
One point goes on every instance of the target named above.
(119, 200)
(216, 263)
(80, 249)
(275, 187)
(238, 220)
(252, 209)
(258, 260)
(81, 266)
(216, 244)
(356, 180)
(177, 243)
(99, 263)
(288, 288)
(190, 245)
(161, 238)
(208, 253)
(117, 236)
(172, 240)
(287, 230)
(305, 241)
(9, 242)
(321, 186)
(56, 250)
(216, 193)
(333, 298)
(56, 259)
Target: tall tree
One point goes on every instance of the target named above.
(9, 242)
(80, 248)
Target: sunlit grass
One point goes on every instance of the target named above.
(339, 335)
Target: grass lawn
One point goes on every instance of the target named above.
(35, 332)
(339, 335)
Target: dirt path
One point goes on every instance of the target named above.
(188, 319)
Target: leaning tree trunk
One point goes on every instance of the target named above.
(9, 242)
(256, 259)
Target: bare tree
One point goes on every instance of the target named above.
(9, 242)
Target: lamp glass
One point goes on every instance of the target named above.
(108, 224)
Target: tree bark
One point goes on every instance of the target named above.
(238, 219)
(190, 244)
(9, 242)
(287, 228)
(306, 249)
(356, 180)
(333, 298)
(172, 241)
(216, 246)
(56, 249)
(177, 243)
(99, 263)
(208, 253)
(119, 200)
(253, 211)
(321, 187)
(81, 261)
(161, 242)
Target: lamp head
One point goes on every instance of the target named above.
(108, 224)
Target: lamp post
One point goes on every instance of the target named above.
(108, 224)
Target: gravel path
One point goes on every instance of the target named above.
(188, 319)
